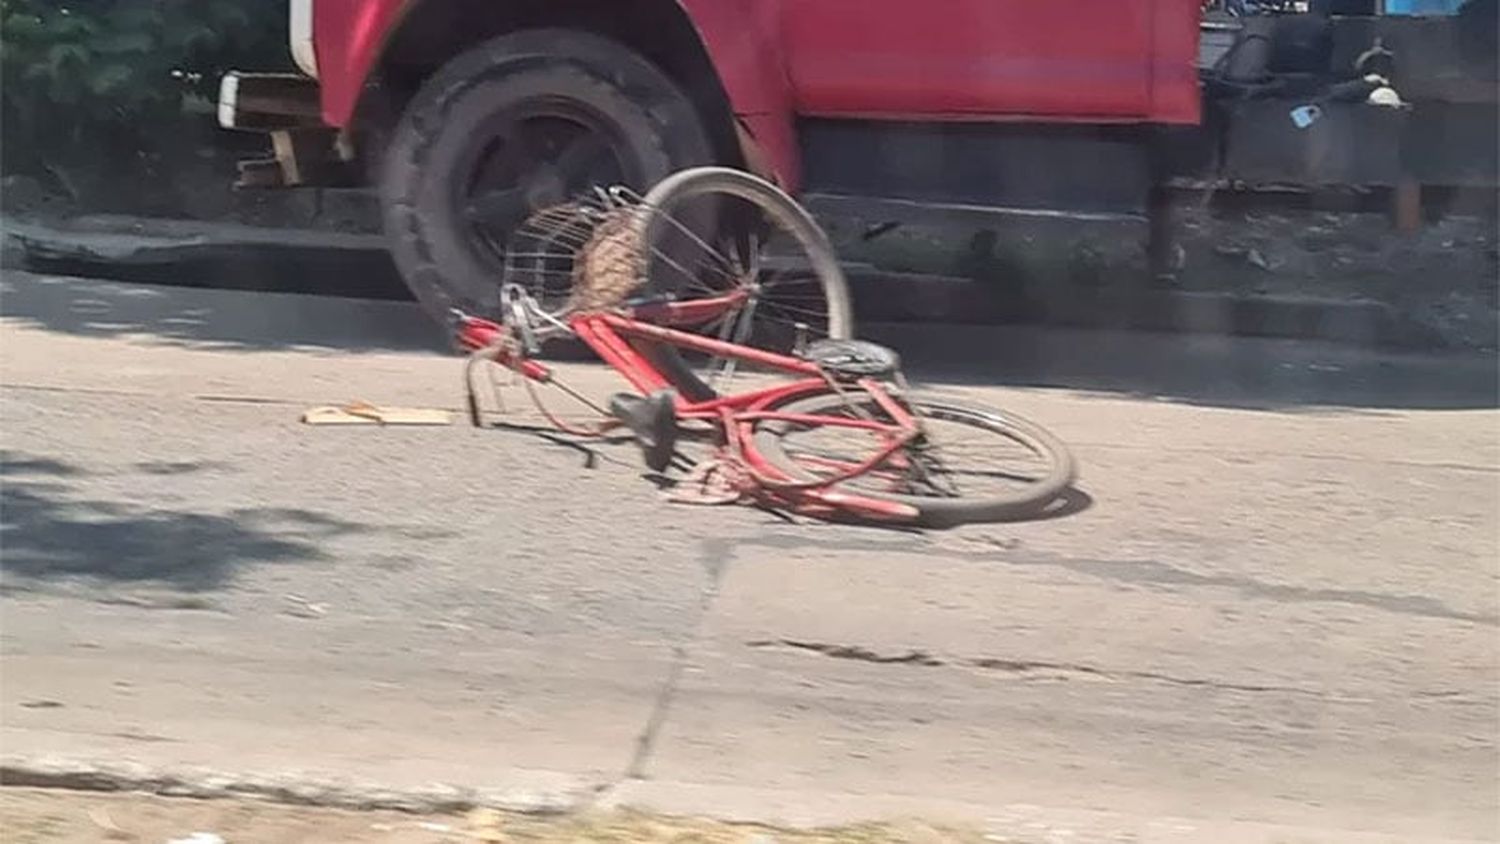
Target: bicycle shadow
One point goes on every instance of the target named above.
(1071, 501)
(584, 446)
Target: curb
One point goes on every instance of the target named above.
(219, 255)
(295, 789)
(1361, 322)
(795, 810)
(238, 257)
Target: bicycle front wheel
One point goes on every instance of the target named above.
(713, 230)
(969, 464)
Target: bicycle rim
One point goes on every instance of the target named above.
(710, 231)
(970, 464)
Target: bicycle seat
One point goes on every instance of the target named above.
(653, 421)
(852, 358)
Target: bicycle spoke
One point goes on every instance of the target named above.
(737, 327)
(775, 304)
(944, 464)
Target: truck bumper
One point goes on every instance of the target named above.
(285, 106)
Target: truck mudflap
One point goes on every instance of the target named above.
(285, 106)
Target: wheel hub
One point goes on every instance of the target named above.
(544, 187)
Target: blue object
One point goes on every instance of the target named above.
(1422, 7)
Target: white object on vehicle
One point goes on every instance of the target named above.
(301, 37)
(229, 99)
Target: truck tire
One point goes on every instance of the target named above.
(517, 124)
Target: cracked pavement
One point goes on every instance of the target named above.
(1272, 615)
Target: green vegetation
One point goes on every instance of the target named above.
(122, 82)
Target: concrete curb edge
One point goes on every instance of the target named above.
(274, 260)
(289, 787)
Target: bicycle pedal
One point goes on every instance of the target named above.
(653, 421)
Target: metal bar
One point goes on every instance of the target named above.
(888, 404)
(834, 203)
(690, 312)
(717, 348)
(816, 420)
(753, 399)
(618, 354)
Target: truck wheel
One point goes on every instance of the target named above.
(520, 123)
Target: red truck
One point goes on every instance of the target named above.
(468, 114)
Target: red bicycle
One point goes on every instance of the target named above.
(716, 272)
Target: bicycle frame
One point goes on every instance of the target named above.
(609, 335)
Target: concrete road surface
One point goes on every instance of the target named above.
(1273, 616)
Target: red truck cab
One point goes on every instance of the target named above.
(468, 114)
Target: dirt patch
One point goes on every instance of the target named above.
(32, 815)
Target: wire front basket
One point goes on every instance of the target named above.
(584, 255)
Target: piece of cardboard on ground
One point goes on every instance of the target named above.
(364, 413)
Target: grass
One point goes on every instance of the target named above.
(37, 815)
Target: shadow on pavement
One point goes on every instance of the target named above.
(1204, 369)
(215, 319)
(1201, 369)
(49, 534)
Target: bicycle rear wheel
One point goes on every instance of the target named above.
(970, 464)
(710, 230)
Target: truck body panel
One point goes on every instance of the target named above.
(1112, 60)
(1089, 58)
(348, 37)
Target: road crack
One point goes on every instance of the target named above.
(924, 659)
(716, 554)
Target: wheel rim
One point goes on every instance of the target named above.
(749, 251)
(955, 458)
(524, 160)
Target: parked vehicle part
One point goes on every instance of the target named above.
(515, 125)
(1027, 107)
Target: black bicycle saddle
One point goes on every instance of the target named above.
(853, 358)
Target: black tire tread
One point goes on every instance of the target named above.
(613, 67)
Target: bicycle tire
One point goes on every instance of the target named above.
(934, 511)
(698, 182)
